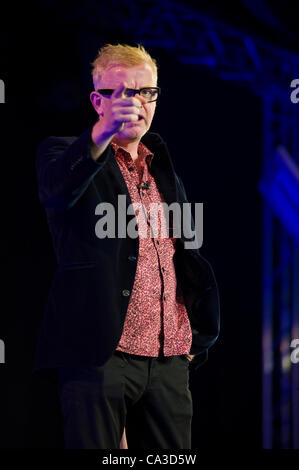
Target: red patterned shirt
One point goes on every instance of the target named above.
(156, 320)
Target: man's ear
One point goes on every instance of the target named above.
(96, 101)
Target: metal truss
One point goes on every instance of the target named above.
(190, 36)
(280, 286)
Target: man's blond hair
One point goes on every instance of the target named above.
(120, 54)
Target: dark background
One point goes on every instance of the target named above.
(213, 130)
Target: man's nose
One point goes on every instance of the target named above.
(140, 98)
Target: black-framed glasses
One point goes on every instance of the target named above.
(150, 93)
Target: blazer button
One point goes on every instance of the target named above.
(132, 258)
(125, 293)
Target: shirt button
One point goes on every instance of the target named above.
(163, 269)
(164, 297)
(132, 258)
(157, 242)
(125, 292)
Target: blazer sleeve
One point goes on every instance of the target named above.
(65, 168)
(206, 322)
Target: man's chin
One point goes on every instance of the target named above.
(130, 133)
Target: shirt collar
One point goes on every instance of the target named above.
(142, 150)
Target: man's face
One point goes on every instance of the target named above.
(136, 77)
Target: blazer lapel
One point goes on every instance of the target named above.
(161, 167)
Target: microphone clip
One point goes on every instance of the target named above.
(144, 185)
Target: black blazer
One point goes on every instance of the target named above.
(91, 288)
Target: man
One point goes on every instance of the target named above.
(125, 315)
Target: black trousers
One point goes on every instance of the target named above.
(150, 396)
